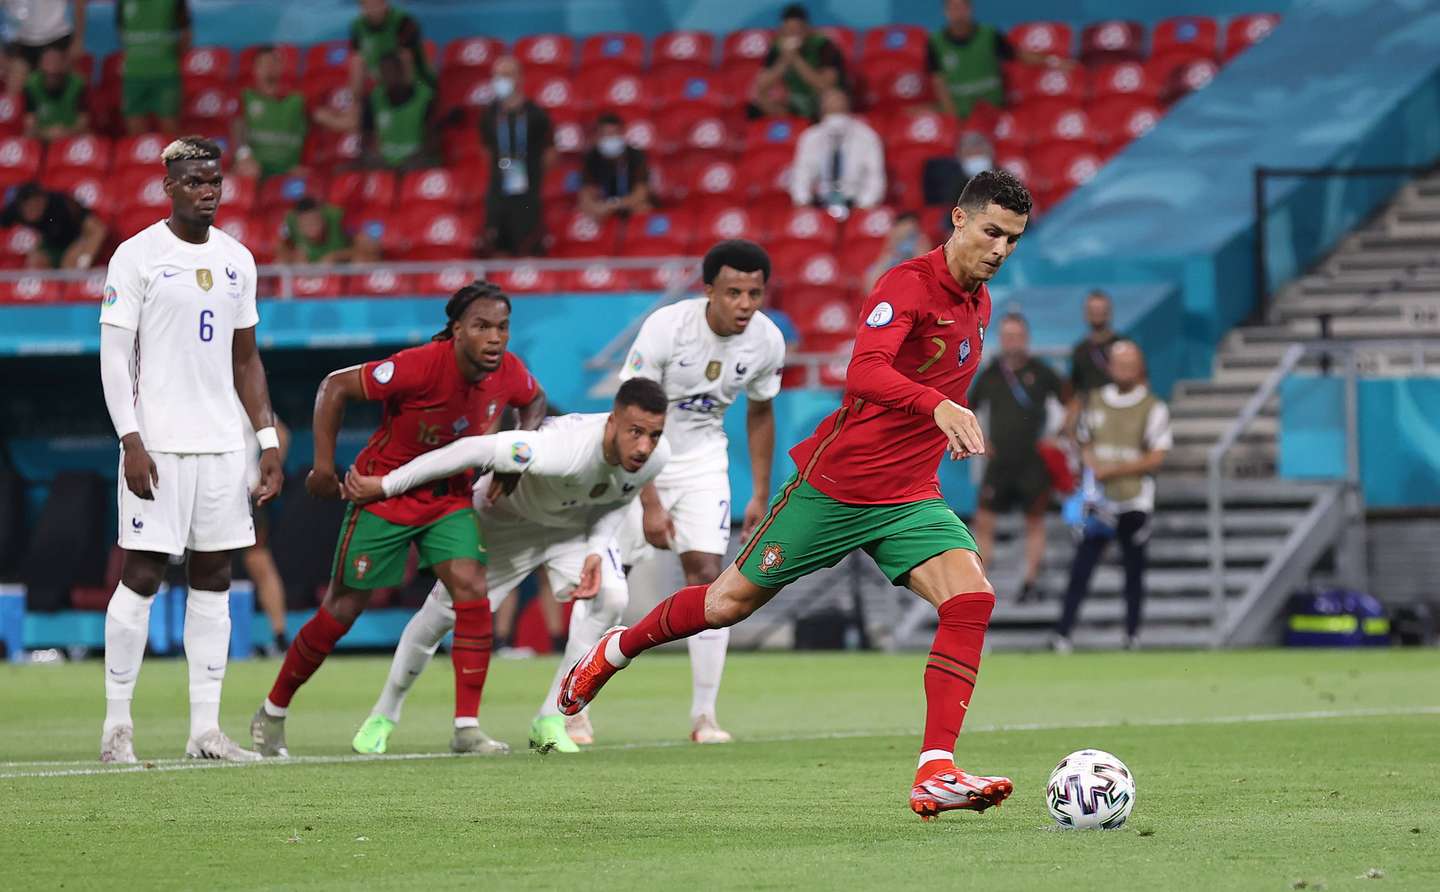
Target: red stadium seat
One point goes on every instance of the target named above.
(289, 55)
(206, 66)
(562, 183)
(435, 189)
(922, 128)
(619, 50)
(238, 193)
(209, 108)
(334, 96)
(571, 136)
(1048, 38)
(445, 282)
(315, 287)
(556, 91)
(712, 179)
(12, 116)
(379, 283)
(1186, 77)
(1119, 119)
(141, 151)
(658, 234)
(1054, 122)
(820, 311)
(799, 264)
(892, 82)
(32, 289)
(280, 193)
(662, 277)
(19, 160)
(87, 289)
(642, 134)
(843, 38)
(16, 243)
(831, 374)
(143, 189)
(94, 190)
(585, 236)
(768, 171)
(1188, 37)
(356, 189)
(719, 222)
(1011, 132)
(864, 238)
(1060, 168)
(472, 54)
(462, 144)
(1026, 82)
(325, 148)
(90, 154)
(1112, 41)
(526, 279)
(328, 60)
(901, 42)
(598, 276)
(681, 49)
(805, 226)
(696, 133)
(746, 48)
(112, 68)
(544, 54)
(432, 236)
(1017, 166)
(131, 221)
(467, 90)
(905, 170)
(1244, 31)
(704, 89)
(1124, 79)
(625, 94)
(772, 132)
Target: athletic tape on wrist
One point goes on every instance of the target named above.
(268, 438)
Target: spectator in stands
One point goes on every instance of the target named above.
(397, 120)
(616, 176)
(154, 35)
(944, 178)
(904, 241)
(839, 162)
(34, 26)
(964, 61)
(1019, 390)
(55, 99)
(801, 64)
(378, 31)
(70, 236)
(270, 130)
(1090, 359)
(520, 139)
(315, 233)
(1124, 434)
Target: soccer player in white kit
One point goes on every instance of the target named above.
(705, 352)
(177, 345)
(580, 475)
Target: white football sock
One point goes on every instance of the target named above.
(935, 756)
(588, 621)
(422, 635)
(207, 648)
(707, 664)
(127, 627)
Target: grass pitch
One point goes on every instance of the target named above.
(1256, 770)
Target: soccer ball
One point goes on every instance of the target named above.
(1088, 789)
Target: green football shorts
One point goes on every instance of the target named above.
(159, 96)
(806, 530)
(372, 551)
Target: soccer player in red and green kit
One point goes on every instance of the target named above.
(455, 386)
(867, 478)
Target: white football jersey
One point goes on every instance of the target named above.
(184, 302)
(568, 484)
(703, 374)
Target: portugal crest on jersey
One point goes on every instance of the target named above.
(964, 350)
(771, 557)
(204, 279)
(712, 371)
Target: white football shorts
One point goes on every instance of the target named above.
(700, 510)
(201, 503)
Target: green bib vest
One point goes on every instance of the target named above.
(1118, 434)
(400, 128)
(971, 72)
(150, 37)
(50, 108)
(376, 42)
(803, 99)
(334, 239)
(275, 129)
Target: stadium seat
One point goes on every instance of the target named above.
(130, 221)
(337, 97)
(112, 68)
(435, 190)
(19, 160)
(704, 89)
(546, 54)
(86, 290)
(844, 40)
(625, 94)
(90, 154)
(12, 116)
(141, 151)
(211, 108)
(905, 171)
(143, 189)
(1185, 37)
(710, 179)
(1185, 78)
(1245, 31)
(1060, 123)
(891, 82)
(289, 55)
(921, 128)
(772, 132)
(642, 134)
(1119, 119)
(561, 183)
(904, 43)
(768, 172)
(471, 55)
(467, 90)
(1026, 82)
(206, 66)
(1058, 168)
(325, 148)
(571, 136)
(717, 222)
(556, 91)
(94, 190)
(238, 192)
(1018, 166)
(596, 277)
(1011, 132)
(525, 279)
(445, 282)
(1112, 41)
(746, 48)
(355, 189)
(16, 243)
(616, 50)
(805, 226)
(585, 236)
(311, 287)
(683, 51)
(1124, 79)
(662, 277)
(696, 133)
(798, 264)
(328, 62)
(663, 233)
(1051, 38)
(864, 238)
(280, 193)
(820, 311)
(378, 283)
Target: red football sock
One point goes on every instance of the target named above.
(470, 654)
(950, 674)
(678, 616)
(309, 649)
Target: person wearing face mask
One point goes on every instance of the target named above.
(839, 162)
(616, 175)
(520, 140)
(1018, 389)
(943, 177)
(1090, 360)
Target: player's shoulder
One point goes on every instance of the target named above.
(137, 247)
(229, 244)
(679, 311)
(767, 332)
(426, 354)
(909, 280)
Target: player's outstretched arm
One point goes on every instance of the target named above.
(117, 345)
(254, 392)
(760, 430)
(339, 387)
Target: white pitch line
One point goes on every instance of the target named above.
(86, 768)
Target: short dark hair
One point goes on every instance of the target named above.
(738, 254)
(643, 393)
(609, 118)
(795, 11)
(1015, 317)
(994, 187)
(263, 49)
(461, 300)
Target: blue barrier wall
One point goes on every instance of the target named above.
(1399, 436)
(241, 22)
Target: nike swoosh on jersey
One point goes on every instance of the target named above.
(167, 274)
(683, 364)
